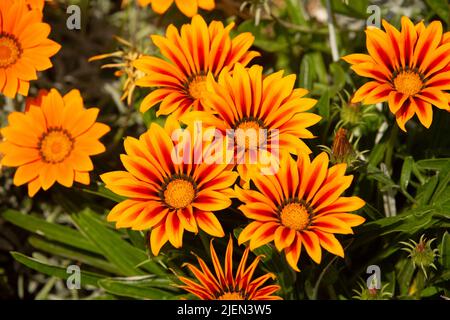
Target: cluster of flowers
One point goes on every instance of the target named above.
(204, 77)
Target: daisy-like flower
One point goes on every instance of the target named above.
(187, 7)
(191, 56)
(168, 192)
(52, 142)
(224, 285)
(269, 106)
(24, 47)
(410, 70)
(300, 206)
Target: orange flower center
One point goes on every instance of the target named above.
(408, 83)
(10, 50)
(197, 86)
(179, 193)
(251, 132)
(295, 216)
(55, 145)
(230, 296)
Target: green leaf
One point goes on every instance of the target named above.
(50, 230)
(351, 8)
(128, 289)
(306, 76)
(117, 250)
(433, 164)
(425, 192)
(405, 175)
(405, 274)
(261, 38)
(65, 252)
(105, 193)
(339, 76)
(323, 106)
(441, 8)
(295, 12)
(445, 251)
(86, 278)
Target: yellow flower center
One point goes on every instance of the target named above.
(251, 133)
(197, 86)
(295, 216)
(56, 145)
(231, 296)
(10, 50)
(179, 193)
(408, 83)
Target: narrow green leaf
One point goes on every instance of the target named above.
(445, 251)
(117, 250)
(433, 164)
(405, 175)
(50, 230)
(306, 73)
(104, 193)
(124, 289)
(323, 106)
(65, 252)
(87, 278)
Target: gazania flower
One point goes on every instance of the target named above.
(300, 206)
(225, 285)
(24, 47)
(187, 7)
(199, 50)
(52, 142)
(168, 192)
(410, 70)
(246, 100)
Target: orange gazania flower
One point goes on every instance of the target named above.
(246, 100)
(166, 192)
(225, 285)
(299, 206)
(24, 47)
(410, 69)
(52, 142)
(199, 50)
(187, 7)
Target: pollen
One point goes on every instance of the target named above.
(179, 193)
(250, 132)
(55, 145)
(197, 86)
(10, 50)
(295, 216)
(231, 296)
(408, 83)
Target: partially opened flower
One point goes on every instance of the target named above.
(123, 61)
(24, 47)
(300, 206)
(187, 7)
(227, 285)
(52, 142)
(267, 110)
(168, 188)
(180, 80)
(410, 70)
